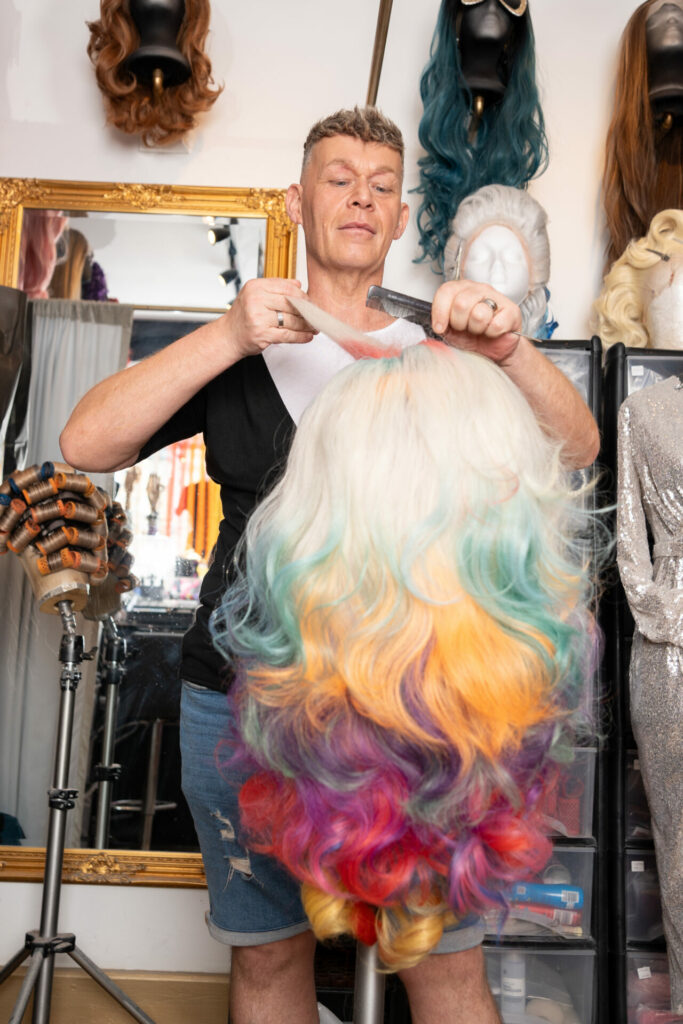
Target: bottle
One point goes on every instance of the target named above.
(512, 984)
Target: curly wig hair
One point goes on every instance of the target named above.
(410, 662)
(510, 145)
(131, 105)
(618, 312)
(644, 161)
(514, 208)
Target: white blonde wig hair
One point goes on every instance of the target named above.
(515, 209)
(619, 310)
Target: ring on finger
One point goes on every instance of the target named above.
(491, 303)
(280, 318)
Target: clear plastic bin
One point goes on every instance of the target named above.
(648, 989)
(557, 904)
(568, 806)
(638, 824)
(533, 988)
(643, 904)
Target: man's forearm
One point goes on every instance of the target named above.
(113, 420)
(558, 406)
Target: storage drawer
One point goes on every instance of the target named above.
(533, 988)
(568, 806)
(556, 904)
(638, 825)
(643, 905)
(648, 989)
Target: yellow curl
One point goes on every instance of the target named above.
(404, 936)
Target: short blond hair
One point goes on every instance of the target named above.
(365, 123)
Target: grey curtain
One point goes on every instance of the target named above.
(73, 345)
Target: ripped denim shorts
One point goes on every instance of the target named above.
(252, 898)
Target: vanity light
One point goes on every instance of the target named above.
(228, 276)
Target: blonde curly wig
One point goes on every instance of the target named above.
(618, 313)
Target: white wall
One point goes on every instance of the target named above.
(120, 928)
(283, 66)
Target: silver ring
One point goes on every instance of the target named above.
(280, 319)
(491, 303)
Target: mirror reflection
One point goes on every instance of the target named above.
(197, 261)
(156, 275)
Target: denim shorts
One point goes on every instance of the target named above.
(252, 898)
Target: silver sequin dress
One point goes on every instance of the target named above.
(650, 491)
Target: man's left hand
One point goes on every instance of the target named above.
(476, 317)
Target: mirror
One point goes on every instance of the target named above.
(152, 222)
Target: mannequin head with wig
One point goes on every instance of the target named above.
(132, 105)
(641, 302)
(409, 628)
(499, 236)
(644, 152)
(467, 148)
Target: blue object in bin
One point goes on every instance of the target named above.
(568, 896)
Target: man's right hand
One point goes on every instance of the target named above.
(174, 374)
(252, 322)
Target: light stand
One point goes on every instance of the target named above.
(369, 986)
(42, 945)
(106, 772)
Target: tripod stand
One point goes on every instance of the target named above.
(42, 945)
(107, 772)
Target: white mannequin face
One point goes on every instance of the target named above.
(663, 303)
(496, 256)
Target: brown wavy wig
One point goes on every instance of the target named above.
(644, 159)
(131, 105)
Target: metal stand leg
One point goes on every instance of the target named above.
(368, 993)
(149, 803)
(111, 987)
(107, 772)
(27, 987)
(43, 945)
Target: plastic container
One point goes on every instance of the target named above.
(648, 989)
(556, 904)
(638, 824)
(643, 904)
(568, 806)
(558, 984)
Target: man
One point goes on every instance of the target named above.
(244, 379)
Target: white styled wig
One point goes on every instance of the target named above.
(515, 209)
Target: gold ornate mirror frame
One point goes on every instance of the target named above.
(131, 867)
(16, 194)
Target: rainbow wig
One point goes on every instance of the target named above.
(510, 145)
(412, 639)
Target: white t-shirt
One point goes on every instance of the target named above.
(299, 372)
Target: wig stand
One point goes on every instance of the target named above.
(369, 984)
(42, 945)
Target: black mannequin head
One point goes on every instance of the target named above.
(487, 33)
(158, 22)
(664, 42)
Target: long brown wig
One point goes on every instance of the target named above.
(644, 159)
(131, 105)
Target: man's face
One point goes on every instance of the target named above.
(349, 203)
